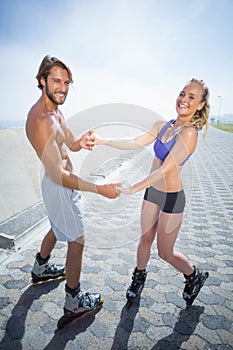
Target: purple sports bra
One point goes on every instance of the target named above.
(162, 149)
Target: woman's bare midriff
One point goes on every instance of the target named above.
(172, 182)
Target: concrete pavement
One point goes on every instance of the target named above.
(159, 320)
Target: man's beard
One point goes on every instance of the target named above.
(52, 97)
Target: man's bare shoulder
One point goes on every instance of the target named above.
(39, 124)
(36, 114)
(37, 117)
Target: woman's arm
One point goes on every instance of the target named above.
(185, 145)
(129, 143)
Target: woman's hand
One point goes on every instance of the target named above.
(126, 189)
(97, 140)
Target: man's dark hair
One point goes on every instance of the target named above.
(46, 65)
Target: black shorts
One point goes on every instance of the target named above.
(169, 202)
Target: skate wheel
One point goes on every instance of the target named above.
(32, 282)
(39, 281)
(65, 320)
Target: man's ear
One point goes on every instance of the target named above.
(42, 81)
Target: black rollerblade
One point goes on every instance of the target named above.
(136, 287)
(43, 271)
(193, 285)
(77, 304)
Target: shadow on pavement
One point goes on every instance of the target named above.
(184, 328)
(125, 326)
(15, 327)
(62, 336)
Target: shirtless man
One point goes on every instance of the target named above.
(51, 139)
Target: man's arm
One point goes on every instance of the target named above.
(74, 144)
(85, 142)
(42, 137)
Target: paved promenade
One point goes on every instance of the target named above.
(159, 320)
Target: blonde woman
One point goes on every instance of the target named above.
(164, 199)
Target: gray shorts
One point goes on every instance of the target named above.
(169, 202)
(64, 210)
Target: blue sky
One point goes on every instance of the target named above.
(137, 52)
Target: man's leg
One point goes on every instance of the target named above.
(47, 244)
(74, 263)
(77, 303)
(42, 269)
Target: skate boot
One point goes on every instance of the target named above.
(43, 271)
(77, 304)
(136, 287)
(193, 285)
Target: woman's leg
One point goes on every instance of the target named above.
(149, 217)
(167, 232)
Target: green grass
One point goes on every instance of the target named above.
(224, 126)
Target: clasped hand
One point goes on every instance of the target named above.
(88, 141)
(125, 189)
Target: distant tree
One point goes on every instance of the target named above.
(212, 119)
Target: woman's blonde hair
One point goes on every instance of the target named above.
(200, 118)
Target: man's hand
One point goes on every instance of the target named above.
(87, 141)
(109, 191)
